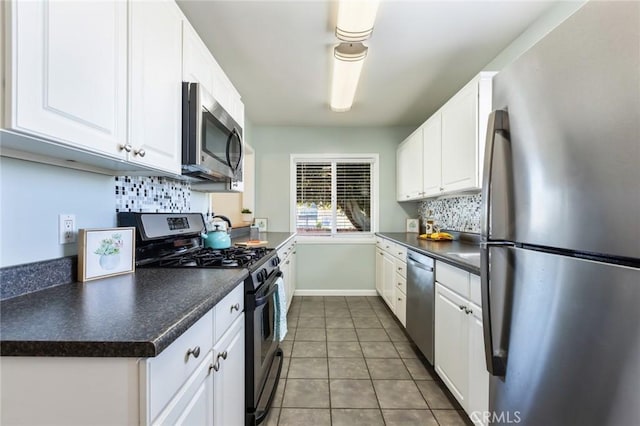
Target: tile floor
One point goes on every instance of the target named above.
(349, 362)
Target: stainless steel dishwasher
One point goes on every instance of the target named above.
(421, 301)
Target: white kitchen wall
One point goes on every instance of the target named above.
(31, 197)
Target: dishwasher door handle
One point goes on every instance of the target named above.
(420, 265)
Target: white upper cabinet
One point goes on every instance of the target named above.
(432, 166)
(453, 143)
(409, 167)
(69, 73)
(155, 86)
(200, 66)
(197, 61)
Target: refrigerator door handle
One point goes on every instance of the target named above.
(496, 359)
(498, 122)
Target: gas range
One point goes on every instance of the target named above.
(173, 240)
(234, 257)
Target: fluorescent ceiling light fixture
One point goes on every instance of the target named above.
(348, 59)
(355, 19)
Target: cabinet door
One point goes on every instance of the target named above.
(69, 76)
(156, 84)
(197, 61)
(401, 306)
(460, 140)
(432, 168)
(409, 168)
(292, 273)
(478, 399)
(452, 341)
(379, 272)
(193, 403)
(388, 283)
(228, 381)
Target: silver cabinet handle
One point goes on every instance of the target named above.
(126, 147)
(399, 268)
(462, 307)
(236, 307)
(224, 355)
(195, 352)
(141, 152)
(400, 252)
(468, 311)
(212, 367)
(216, 366)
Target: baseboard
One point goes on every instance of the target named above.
(337, 292)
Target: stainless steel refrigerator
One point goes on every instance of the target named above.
(561, 226)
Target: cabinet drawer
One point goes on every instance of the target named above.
(400, 252)
(401, 268)
(453, 278)
(227, 310)
(388, 246)
(475, 290)
(401, 283)
(167, 372)
(379, 242)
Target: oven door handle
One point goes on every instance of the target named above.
(274, 287)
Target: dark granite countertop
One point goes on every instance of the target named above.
(440, 249)
(276, 239)
(134, 315)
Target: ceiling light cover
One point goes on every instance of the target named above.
(355, 19)
(348, 59)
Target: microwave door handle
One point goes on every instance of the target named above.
(196, 114)
(233, 135)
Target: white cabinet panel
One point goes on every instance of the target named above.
(459, 140)
(379, 271)
(478, 399)
(69, 68)
(388, 282)
(409, 167)
(432, 167)
(155, 84)
(401, 306)
(228, 381)
(451, 342)
(197, 62)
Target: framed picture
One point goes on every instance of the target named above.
(105, 252)
(412, 225)
(261, 224)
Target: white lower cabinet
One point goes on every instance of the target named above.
(193, 403)
(391, 276)
(287, 255)
(228, 377)
(459, 344)
(196, 380)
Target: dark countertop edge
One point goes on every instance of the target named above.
(116, 349)
(459, 263)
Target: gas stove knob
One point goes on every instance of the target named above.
(275, 261)
(262, 275)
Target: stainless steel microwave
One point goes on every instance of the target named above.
(211, 139)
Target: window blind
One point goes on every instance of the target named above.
(333, 197)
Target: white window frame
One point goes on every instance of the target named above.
(349, 238)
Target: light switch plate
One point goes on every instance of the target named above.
(67, 228)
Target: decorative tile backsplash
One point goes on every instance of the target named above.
(152, 194)
(456, 213)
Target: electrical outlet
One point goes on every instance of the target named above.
(67, 228)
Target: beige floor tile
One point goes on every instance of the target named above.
(306, 393)
(348, 368)
(308, 350)
(409, 418)
(434, 395)
(306, 417)
(356, 417)
(399, 394)
(450, 417)
(308, 368)
(344, 350)
(387, 368)
(346, 393)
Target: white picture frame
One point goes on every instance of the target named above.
(412, 226)
(261, 223)
(105, 252)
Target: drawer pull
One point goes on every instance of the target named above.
(236, 307)
(212, 367)
(468, 311)
(223, 355)
(125, 147)
(462, 307)
(195, 352)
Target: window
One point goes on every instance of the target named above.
(334, 195)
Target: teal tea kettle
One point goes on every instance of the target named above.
(218, 238)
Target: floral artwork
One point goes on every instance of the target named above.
(105, 252)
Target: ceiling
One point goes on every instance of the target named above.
(278, 55)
